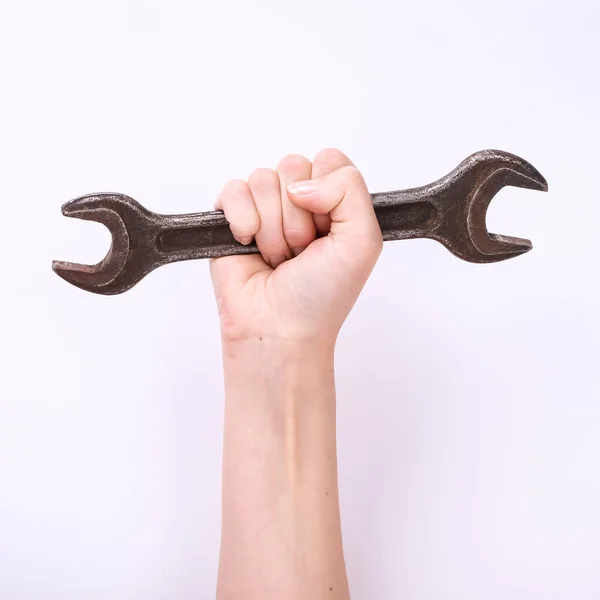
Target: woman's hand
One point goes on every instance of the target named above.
(319, 240)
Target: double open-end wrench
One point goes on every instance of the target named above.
(451, 210)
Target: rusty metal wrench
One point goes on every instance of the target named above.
(451, 210)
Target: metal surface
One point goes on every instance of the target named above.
(451, 210)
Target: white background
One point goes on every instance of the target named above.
(469, 404)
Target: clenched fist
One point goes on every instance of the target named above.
(319, 239)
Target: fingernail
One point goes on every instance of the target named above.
(245, 240)
(276, 260)
(303, 187)
(296, 251)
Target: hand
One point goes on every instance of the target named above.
(319, 240)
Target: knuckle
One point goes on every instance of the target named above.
(236, 187)
(232, 191)
(292, 163)
(330, 156)
(244, 229)
(352, 175)
(263, 178)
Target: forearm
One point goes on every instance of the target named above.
(281, 534)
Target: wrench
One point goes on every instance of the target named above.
(451, 210)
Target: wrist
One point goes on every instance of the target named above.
(263, 355)
(280, 408)
(273, 381)
(275, 376)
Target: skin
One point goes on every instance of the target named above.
(280, 315)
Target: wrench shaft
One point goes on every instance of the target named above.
(208, 235)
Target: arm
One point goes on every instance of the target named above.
(281, 531)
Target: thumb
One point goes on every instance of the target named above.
(344, 195)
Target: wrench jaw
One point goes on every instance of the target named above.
(491, 170)
(120, 215)
(495, 248)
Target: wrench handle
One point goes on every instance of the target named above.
(404, 214)
(198, 235)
